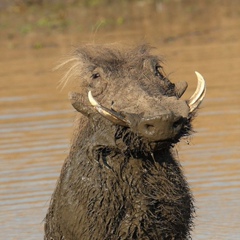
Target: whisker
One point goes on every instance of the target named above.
(69, 74)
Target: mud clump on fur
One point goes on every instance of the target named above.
(121, 180)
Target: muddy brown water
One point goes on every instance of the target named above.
(36, 123)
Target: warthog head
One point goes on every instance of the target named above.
(120, 180)
(131, 90)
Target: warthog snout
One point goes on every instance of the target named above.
(166, 115)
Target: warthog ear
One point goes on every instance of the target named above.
(78, 102)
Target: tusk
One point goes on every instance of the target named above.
(197, 98)
(107, 113)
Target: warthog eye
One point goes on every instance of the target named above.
(95, 75)
(159, 72)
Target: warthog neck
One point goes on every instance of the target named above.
(121, 197)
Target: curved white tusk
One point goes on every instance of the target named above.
(197, 98)
(107, 113)
(93, 102)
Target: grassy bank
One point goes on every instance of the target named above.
(41, 19)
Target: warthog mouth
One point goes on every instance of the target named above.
(137, 146)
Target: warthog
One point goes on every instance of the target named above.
(120, 179)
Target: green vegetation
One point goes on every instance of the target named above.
(26, 28)
(28, 16)
(38, 19)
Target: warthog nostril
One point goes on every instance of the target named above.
(150, 128)
(178, 122)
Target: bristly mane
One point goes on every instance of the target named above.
(110, 58)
